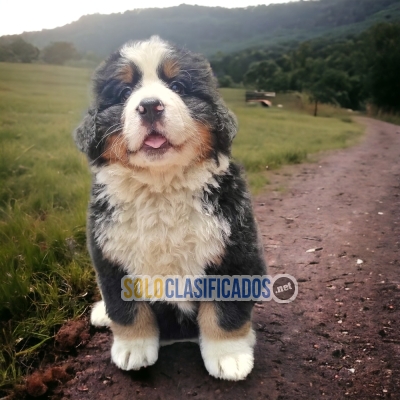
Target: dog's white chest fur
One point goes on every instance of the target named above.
(162, 232)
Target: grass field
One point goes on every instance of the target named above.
(271, 137)
(46, 275)
(45, 271)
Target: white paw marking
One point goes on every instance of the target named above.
(134, 353)
(98, 316)
(231, 359)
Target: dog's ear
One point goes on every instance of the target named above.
(85, 133)
(227, 125)
(228, 120)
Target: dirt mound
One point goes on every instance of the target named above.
(41, 382)
(46, 383)
(73, 334)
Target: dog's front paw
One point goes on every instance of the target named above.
(230, 359)
(134, 354)
(98, 316)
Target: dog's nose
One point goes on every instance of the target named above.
(150, 109)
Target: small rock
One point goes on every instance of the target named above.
(313, 250)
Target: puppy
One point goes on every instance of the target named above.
(167, 199)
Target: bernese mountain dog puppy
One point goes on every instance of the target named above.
(167, 199)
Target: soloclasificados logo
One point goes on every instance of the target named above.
(282, 288)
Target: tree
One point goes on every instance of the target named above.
(6, 54)
(59, 53)
(384, 74)
(261, 74)
(328, 86)
(225, 81)
(24, 52)
(17, 50)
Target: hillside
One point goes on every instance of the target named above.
(213, 29)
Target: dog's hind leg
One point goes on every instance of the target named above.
(98, 316)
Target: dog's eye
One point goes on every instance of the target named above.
(125, 94)
(177, 87)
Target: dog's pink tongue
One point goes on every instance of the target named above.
(155, 141)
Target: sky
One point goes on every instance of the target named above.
(17, 16)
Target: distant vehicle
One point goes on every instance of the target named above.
(260, 97)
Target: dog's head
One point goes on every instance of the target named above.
(155, 106)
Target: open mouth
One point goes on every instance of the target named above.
(155, 143)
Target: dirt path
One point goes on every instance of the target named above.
(340, 338)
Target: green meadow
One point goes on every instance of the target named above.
(45, 271)
(271, 137)
(46, 276)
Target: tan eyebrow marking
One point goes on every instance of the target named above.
(126, 73)
(170, 68)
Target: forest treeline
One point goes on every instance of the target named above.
(16, 49)
(211, 29)
(352, 71)
(337, 51)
